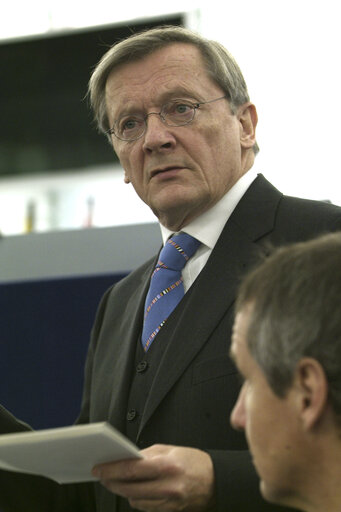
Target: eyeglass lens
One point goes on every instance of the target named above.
(174, 113)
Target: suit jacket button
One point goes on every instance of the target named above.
(142, 367)
(131, 415)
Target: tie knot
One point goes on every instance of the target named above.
(177, 251)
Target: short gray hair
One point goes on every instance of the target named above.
(220, 66)
(295, 311)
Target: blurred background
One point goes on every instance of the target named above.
(58, 173)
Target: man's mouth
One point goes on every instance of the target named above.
(165, 170)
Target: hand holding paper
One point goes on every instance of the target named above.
(64, 454)
(167, 478)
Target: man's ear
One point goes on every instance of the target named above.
(312, 387)
(248, 118)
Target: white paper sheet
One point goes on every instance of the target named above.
(65, 454)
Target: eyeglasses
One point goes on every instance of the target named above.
(174, 113)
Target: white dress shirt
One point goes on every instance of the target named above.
(208, 226)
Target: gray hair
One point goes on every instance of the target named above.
(220, 66)
(295, 299)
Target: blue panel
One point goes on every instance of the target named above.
(44, 335)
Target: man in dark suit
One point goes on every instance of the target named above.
(176, 109)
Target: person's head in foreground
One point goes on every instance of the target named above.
(287, 346)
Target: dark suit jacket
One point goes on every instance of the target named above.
(182, 391)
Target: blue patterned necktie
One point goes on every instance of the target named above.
(166, 286)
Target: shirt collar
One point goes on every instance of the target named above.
(208, 226)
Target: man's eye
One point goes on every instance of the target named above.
(177, 108)
(182, 108)
(129, 124)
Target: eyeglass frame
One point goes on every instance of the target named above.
(195, 107)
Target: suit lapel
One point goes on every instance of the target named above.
(123, 350)
(213, 292)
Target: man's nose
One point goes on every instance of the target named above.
(158, 135)
(238, 414)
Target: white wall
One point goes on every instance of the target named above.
(289, 52)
